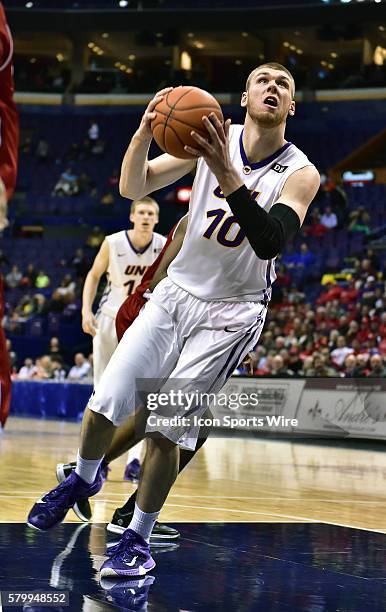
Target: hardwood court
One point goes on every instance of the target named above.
(230, 480)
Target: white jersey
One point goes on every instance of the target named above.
(126, 267)
(216, 261)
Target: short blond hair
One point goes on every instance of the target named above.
(274, 66)
(145, 200)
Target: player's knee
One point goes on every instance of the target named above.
(157, 443)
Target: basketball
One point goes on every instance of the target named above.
(179, 113)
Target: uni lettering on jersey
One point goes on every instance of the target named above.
(136, 270)
(219, 194)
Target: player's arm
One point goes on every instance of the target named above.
(268, 233)
(139, 176)
(170, 253)
(99, 267)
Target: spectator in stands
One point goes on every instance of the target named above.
(29, 276)
(308, 367)
(13, 277)
(339, 354)
(362, 368)
(338, 200)
(377, 368)
(42, 152)
(315, 228)
(56, 303)
(80, 262)
(43, 368)
(93, 131)
(300, 259)
(42, 280)
(27, 371)
(54, 348)
(278, 367)
(352, 332)
(39, 303)
(25, 308)
(67, 288)
(67, 184)
(81, 369)
(295, 364)
(320, 368)
(364, 269)
(95, 238)
(359, 221)
(329, 219)
(350, 366)
(58, 371)
(368, 292)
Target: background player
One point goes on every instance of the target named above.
(206, 316)
(9, 144)
(124, 256)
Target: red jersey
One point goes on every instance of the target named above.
(130, 308)
(9, 144)
(9, 118)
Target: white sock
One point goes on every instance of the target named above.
(143, 522)
(87, 468)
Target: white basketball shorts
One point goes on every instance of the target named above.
(177, 336)
(104, 344)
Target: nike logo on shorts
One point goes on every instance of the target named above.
(121, 254)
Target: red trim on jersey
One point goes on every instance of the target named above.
(132, 305)
(9, 118)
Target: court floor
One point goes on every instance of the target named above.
(265, 525)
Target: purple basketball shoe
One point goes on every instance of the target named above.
(132, 471)
(53, 507)
(130, 557)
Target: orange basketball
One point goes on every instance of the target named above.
(178, 113)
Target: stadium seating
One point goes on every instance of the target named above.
(326, 132)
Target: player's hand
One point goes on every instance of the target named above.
(89, 324)
(144, 130)
(215, 151)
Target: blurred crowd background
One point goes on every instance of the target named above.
(327, 317)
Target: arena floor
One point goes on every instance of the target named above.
(265, 525)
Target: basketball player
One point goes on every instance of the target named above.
(250, 195)
(125, 257)
(9, 143)
(128, 434)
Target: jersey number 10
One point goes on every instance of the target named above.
(224, 221)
